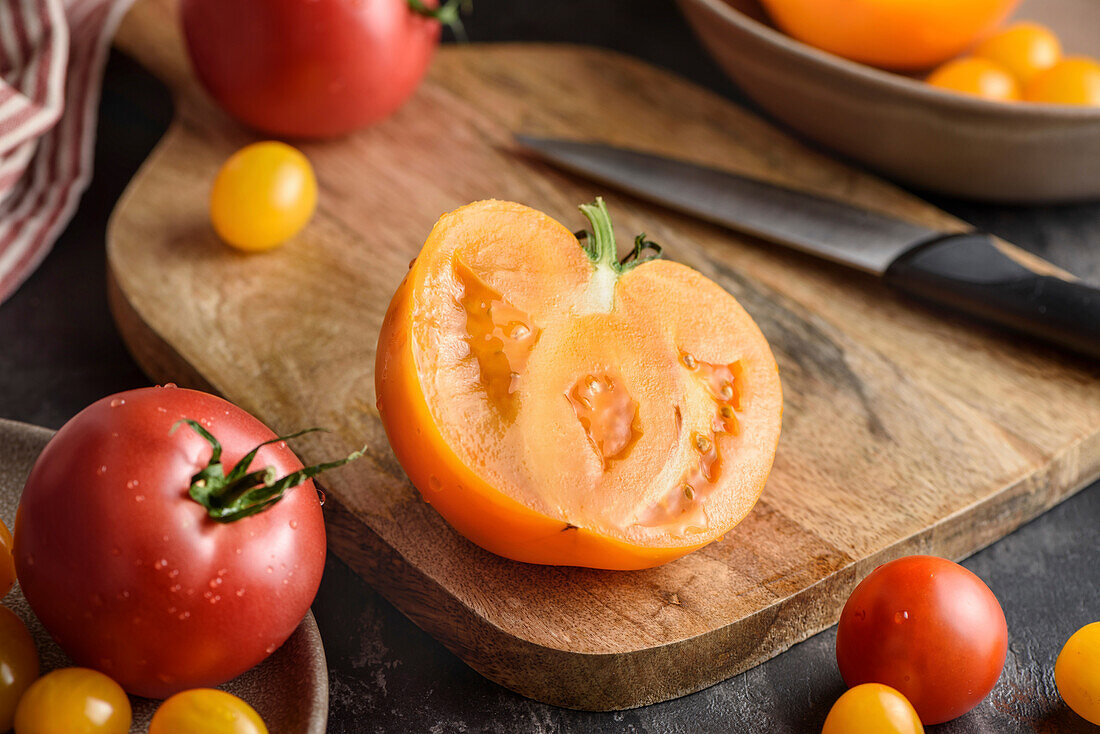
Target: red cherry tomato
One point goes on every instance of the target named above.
(135, 578)
(928, 628)
(315, 68)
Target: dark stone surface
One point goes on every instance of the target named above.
(60, 352)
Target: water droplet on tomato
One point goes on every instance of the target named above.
(101, 470)
(185, 615)
(174, 588)
(131, 484)
(173, 573)
(293, 524)
(160, 564)
(215, 582)
(238, 551)
(270, 569)
(169, 384)
(139, 498)
(435, 484)
(321, 496)
(240, 593)
(161, 409)
(900, 617)
(269, 649)
(117, 402)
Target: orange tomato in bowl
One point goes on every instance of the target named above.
(559, 406)
(7, 560)
(1023, 49)
(977, 77)
(73, 700)
(18, 664)
(893, 34)
(1072, 81)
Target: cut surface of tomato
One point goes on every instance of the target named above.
(558, 406)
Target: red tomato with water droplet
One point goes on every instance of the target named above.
(928, 628)
(131, 576)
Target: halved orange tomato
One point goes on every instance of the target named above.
(557, 405)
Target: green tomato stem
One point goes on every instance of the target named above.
(448, 14)
(241, 493)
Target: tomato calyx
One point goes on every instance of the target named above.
(233, 496)
(447, 14)
(599, 245)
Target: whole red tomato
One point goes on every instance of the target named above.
(135, 577)
(930, 629)
(310, 68)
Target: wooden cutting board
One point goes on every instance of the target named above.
(907, 430)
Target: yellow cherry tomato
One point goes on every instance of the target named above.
(1077, 672)
(872, 708)
(263, 195)
(7, 561)
(1025, 49)
(1074, 80)
(207, 711)
(18, 664)
(73, 701)
(979, 77)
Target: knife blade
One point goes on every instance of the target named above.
(969, 271)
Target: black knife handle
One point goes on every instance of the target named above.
(975, 273)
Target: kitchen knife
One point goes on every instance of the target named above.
(969, 271)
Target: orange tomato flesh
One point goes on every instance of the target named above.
(556, 410)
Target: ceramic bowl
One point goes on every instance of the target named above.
(919, 135)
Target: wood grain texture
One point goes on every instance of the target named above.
(906, 430)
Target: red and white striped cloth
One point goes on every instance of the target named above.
(51, 66)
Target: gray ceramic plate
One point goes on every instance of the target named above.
(907, 130)
(289, 689)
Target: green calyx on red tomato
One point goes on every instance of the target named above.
(242, 492)
(448, 14)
